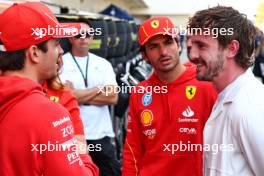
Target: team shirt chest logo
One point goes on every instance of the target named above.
(190, 91)
(188, 112)
(54, 98)
(188, 116)
(154, 24)
(146, 117)
(146, 99)
(150, 133)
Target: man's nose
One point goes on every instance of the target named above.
(191, 54)
(163, 50)
(61, 51)
(192, 51)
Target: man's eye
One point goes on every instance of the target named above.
(57, 42)
(201, 45)
(168, 42)
(152, 47)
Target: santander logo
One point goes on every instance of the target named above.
(188, 112)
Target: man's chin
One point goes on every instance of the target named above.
(53, 74)
(166, 69)
(84, 49)
(202, 77)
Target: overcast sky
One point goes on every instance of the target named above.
(190, 6)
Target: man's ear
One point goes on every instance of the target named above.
(71, 39)
(232, 49)
(144, 56)
(33, 53)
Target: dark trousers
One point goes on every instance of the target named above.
(106, 158)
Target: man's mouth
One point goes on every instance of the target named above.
(165, 60)
(199, 66)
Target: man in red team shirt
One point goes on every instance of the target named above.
(56, 91)
(169, 114)
(36, 134)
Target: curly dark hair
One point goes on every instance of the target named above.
(221, 17)
(15, 60)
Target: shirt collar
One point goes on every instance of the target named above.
(230, 92)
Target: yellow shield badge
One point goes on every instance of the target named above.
(54, 98)
(190, 92)
(154, 23)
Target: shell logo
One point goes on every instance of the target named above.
(146, 117)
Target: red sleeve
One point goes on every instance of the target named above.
(56, 146)
(67, 161)
(70, 103)
(133, 148)
(88, 163)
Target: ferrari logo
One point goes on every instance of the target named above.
(154, 24)
(190, 92)
(55, 99)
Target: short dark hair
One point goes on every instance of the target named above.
(227, 17)
(15, 60)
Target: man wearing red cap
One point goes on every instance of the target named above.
(36, 134)
(164, 134)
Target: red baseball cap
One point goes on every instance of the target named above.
(31, 23)
(155, 26)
